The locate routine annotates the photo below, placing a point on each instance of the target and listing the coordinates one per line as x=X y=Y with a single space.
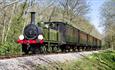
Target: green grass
x=98 y=61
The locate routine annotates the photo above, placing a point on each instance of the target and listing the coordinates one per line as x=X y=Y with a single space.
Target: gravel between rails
x=29 y=62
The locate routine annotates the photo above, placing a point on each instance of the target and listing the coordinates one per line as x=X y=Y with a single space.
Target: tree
x=108 y=20
x=12 y=22
x=73 y=8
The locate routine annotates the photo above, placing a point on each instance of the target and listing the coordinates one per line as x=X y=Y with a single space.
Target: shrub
x=10 y=48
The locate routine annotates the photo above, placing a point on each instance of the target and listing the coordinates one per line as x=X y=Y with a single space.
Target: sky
x=94 y=14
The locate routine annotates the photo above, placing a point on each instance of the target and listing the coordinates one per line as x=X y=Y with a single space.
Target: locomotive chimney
x=32 y=17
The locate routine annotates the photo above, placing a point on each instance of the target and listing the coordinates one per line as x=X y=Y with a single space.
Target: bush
x=9 y=48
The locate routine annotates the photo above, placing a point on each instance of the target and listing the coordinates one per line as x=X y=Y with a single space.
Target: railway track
x=30 y=54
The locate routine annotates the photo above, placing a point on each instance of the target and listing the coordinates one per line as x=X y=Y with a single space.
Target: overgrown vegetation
x=12 y=25
x=98 y=61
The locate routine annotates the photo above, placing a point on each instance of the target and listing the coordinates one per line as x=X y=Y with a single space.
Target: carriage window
x=53 y=26
x=46 y=25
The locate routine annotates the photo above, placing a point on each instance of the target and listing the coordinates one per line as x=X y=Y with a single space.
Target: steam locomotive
x=32 y=36
x=55 y=37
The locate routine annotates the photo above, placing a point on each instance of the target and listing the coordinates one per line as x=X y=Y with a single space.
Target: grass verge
x=97 y=61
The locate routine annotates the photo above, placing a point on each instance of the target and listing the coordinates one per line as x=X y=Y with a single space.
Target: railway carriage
x=90 y=42
x=69 y=37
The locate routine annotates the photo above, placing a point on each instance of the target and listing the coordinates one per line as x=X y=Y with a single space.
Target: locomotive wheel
x=67 y=48
x=78 y=48
x=83 y=48
x=43 y=49
x=87 y=48
x=33 y=49
x=49 y=49
x=63 y=48
x=57 y=48
x=74 y=49
x=46 y=46
x=25 y=49
x=54 y=49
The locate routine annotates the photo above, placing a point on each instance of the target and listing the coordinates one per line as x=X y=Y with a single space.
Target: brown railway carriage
x=75 y=35
x=94 y=43
x=71 y=34
x=82 y=38
x=98 y=43
x=90 y=40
